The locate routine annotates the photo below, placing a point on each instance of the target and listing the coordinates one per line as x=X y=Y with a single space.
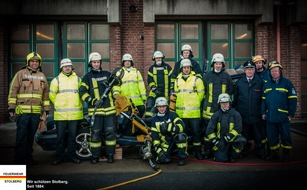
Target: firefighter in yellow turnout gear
x=68 y=110
x=189 y=90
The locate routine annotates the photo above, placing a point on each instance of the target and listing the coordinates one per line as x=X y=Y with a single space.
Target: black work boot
x=94 y=160
x=208 y=154
x=198 y=155
x=110 y=158
x=285 y=155
x=181 y=162
x=274 y=154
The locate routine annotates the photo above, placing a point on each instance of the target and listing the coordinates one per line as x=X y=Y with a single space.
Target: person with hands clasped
x=28 y=97
x=91 y=90
x=167 y=132
x=224 y=130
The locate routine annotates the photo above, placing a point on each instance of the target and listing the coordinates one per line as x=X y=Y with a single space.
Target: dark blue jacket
x=279 y=100
x=264 y=75
x=247 y=99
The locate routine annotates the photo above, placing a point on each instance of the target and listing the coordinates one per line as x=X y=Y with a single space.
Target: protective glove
x=160 y=152
x=94 y=102
x=220 y=145
x=228 y=137
x=172 y=128
x=156 y=91
x=98 y=103
x=163 y=127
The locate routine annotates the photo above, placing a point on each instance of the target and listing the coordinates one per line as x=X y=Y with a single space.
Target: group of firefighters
x=185 y=106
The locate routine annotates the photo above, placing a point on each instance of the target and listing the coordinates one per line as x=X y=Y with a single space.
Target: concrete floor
x=131 y=163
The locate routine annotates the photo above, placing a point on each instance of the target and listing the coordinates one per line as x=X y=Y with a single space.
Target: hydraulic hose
x=131 y=181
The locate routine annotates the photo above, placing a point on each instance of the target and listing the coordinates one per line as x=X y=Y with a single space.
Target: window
x=170 y=37
x=53 y=41
x=234 y=40
x=41 y=38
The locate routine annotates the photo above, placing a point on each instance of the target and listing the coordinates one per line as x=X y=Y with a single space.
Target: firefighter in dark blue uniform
x=91 y=89
x=263 y=73
x=279 y=101
x=247 y=101
x=224 y=130
x=159 y=81
x=216 y=81
x=168 y=133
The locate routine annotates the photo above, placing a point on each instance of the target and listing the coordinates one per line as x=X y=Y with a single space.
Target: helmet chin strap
x=225 y=109
x=217 y=71
x=160 y=114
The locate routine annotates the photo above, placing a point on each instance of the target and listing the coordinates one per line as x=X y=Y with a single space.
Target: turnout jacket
x=160 y=77
x=29 y=92
x=190 y=93
x=174 y=126
x=133 y=86
x=247 y=99
x=215 y=84
x=279 y=100
x=195 y=67
x=222 y=123
x=92 y=87
x=264 y=75
x=64 y=94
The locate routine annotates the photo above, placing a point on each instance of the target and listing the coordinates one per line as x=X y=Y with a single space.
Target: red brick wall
x=115 y=47
x=294 y=60
x=132 y=29
x=138 y=39
x=266 y=45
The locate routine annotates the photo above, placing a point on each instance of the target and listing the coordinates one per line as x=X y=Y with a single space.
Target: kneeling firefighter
x=167 y=131
x=224 y=130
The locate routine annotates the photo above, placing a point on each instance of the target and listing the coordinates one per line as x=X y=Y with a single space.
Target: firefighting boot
x=208 y=150
x=198 y=155
x=181 y=162
x=274 y=154
x=285 y=155
x=110 y=158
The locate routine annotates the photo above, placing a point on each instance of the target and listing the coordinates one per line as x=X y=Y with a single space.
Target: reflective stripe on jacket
x=190 y=93
x=215 y=84
x=29 y=92
x=160 y=77
x=93 y=86
x=65 y=97
x=133 y=86
x=279 y=100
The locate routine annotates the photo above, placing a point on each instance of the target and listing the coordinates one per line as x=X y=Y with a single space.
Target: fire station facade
x=275 y=29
